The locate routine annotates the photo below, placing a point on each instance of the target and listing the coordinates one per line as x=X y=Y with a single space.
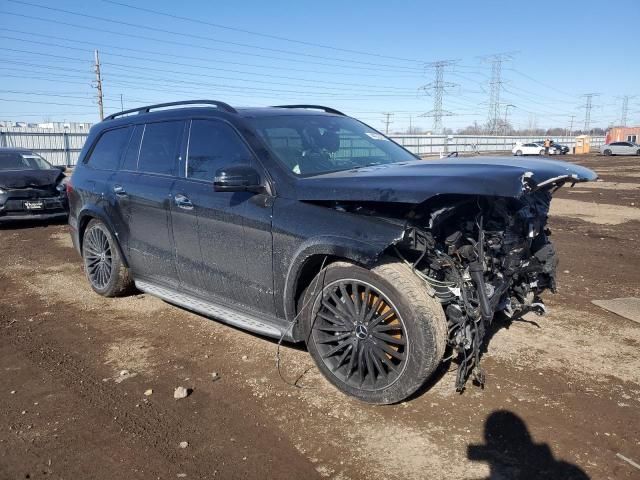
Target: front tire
x=103 y=265
x=518 y=153
x=374 y=334
x=607 y=152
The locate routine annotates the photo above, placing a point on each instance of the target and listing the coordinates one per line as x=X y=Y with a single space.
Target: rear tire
x=103 y=265
x=395 y=355
x=638 y=152
x=518 y=153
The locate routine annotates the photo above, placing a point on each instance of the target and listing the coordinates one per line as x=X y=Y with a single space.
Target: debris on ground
x=183 y=444
x=215 y=376
x=181 y=392
x=148 y=392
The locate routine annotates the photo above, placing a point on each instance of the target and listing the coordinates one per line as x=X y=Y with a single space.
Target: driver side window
x=214 y=145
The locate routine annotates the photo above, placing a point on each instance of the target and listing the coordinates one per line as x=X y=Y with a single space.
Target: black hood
x=29 y=178
x=416 y=182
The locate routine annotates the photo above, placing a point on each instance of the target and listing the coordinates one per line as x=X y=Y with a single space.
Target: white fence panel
x=62 y=147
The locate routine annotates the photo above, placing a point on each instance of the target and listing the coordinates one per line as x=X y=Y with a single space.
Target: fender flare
x=357 y=251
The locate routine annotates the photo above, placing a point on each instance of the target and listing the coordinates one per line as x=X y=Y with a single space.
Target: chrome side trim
x=218 y=312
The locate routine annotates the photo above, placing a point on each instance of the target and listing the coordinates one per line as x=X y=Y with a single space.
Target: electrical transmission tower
x=99 y=95
x=387 y=120
x=438 y=87
x=588 y=105
x=625 y=109
x=496 y=60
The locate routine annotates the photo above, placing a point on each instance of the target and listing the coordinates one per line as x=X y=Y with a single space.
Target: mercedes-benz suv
x=303 y=224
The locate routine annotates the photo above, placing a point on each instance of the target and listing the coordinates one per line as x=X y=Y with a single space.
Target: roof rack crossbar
x=221 y=105
x=315 y=107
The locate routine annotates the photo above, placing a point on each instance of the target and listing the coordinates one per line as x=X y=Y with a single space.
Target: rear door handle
x=183 y=202
x=119 y=190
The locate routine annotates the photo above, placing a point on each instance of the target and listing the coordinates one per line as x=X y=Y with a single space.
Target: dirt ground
x=562 y=396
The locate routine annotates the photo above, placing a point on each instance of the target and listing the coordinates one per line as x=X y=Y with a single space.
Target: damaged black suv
x=302 y=224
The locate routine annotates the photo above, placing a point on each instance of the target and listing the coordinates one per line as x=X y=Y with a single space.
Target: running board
x=225 y=314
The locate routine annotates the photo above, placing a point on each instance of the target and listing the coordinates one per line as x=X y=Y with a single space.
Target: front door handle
x=119 y=190
x=183 y=202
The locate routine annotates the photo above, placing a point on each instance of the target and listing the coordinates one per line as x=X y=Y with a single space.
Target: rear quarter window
x=107 y=152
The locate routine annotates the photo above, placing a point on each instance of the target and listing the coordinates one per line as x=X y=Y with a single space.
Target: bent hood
x=416 y=182
x=29 y=178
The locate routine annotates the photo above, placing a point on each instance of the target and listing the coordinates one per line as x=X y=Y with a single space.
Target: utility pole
x=99 y=86
x=506 y=116
x=121 y=102
x=496 y=60
x=410 y=125
x=588 y=105
x=438 y=87
x=387 y=121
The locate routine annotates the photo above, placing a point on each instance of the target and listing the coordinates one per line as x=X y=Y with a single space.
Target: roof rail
x=221 y=105
x=315 y=107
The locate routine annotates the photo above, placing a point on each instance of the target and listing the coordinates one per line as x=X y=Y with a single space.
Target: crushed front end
x=481 y=256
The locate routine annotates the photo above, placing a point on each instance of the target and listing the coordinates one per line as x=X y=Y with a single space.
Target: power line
x=438 y=87
x=180 y=64
x=165 y=54
x=250 y=32
x=201 y=37
x=94 y=29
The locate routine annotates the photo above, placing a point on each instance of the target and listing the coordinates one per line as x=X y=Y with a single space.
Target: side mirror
x=237 y=178
x=62 y=168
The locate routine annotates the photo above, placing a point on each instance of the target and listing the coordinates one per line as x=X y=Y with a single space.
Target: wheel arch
x=93 y=213
x=315 y=254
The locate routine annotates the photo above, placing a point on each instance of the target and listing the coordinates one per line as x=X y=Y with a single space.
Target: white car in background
x=553 y=149
x=527 y=149
x=620 y=148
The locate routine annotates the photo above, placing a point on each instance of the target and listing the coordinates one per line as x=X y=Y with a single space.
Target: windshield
x=22 y=161
x=314 y=144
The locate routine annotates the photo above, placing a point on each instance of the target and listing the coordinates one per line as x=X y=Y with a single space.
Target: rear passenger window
x=214 y=145
x=160 y=146
x=130 y=161
x=109 y=149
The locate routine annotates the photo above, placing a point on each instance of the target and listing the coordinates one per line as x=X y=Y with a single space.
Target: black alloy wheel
x=103 y=264
x=98 y=258
x=360 y=335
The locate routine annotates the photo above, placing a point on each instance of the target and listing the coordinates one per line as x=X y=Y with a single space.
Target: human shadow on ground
x=511 y=453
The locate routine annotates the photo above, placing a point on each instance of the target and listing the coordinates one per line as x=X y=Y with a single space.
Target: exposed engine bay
x=481 y=256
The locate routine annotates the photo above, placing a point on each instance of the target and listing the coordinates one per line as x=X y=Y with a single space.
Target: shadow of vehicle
x=24 y=224
x=511 y=452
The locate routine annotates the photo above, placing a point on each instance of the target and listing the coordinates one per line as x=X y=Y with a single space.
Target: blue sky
x=364 y=58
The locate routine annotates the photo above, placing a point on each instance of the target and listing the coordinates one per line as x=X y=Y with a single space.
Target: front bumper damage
x=484 y=257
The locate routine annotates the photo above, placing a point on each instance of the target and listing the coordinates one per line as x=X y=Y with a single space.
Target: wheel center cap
x=361 y=331
x=103 y=256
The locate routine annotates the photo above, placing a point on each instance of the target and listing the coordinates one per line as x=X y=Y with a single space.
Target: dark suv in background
x=300 y=223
